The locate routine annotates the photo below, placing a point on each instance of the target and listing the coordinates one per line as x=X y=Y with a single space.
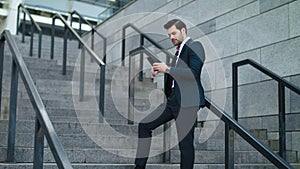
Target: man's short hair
x=177 y=22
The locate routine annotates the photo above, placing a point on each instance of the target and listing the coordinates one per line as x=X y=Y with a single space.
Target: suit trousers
x=185 y=121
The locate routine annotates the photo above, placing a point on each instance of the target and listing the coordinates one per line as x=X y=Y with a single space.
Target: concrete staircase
x=112 y=144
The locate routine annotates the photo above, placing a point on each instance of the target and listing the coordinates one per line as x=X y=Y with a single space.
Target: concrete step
x=79 y=130
x=50 y=74
x=66 y=101
x=59 y=112
x=122 y=156
x=131 y=166
x=111 y=114
x=218 y=157
x=66 y=91
x=90 y=156
x=69 y=128
x=71 y=49
x=45 y=38
x=39 y=62
x=86 y=105
x=65 y=87
x=78 y=142
x=46 y=43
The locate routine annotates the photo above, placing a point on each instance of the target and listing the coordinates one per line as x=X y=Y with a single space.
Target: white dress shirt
x=179 y=51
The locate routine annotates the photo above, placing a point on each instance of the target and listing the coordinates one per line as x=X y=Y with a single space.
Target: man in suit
x=185 y=96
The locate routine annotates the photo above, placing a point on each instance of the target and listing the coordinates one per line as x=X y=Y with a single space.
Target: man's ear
x=183 y=30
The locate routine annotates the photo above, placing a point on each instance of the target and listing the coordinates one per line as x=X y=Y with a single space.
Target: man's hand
x=158 y=68
x=153 y=72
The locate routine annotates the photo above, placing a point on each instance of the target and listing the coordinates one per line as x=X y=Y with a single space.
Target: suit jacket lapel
x=183 y=54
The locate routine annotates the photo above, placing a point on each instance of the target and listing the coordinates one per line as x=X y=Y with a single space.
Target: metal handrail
x=142 y=49
x=282 y=83
x=231 y=125
x=33 y=26
x=267 y=72
x=246 y=135
x=43 y=125
x=69 y=28
x=142 y=38
x=80 y=21
x=93 y=31
x=82 y=63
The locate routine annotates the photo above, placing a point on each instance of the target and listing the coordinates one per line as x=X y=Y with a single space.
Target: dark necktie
x=170 y=80
x=174 y=59
x=177 y=52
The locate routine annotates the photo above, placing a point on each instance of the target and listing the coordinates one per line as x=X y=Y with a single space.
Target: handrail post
x=92 y=43
x=71 y=20
x=167 y=143
x=167 y=133
x=229 y=147
x=141 y=58
x=131 y=90
x=38 y=145
x=64 y=71
x=123 y=46
x=18 y=17
x=101 y=94
x=52 y=38
x=102 y=83
x=282 y=126
x=235 y=91
x=79 y=32
x=12 y=113
x=33 y=25
x=40 y=44
x=229 y=133
x=24 y=27
x=93 y=39
x=104 y=49
x=31 y=39
x=82 y=68
x=1 y=69
x=80 y=26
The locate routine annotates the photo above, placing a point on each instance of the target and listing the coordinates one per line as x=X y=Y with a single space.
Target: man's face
x=177 y=36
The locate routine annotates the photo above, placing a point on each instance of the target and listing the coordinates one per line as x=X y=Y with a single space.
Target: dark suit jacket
x=186 y=73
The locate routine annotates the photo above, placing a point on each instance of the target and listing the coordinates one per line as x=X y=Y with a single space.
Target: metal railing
x=231 y=126
x=33 y=26
x=43 y=125
x=282 y=83
x=82 y=63
x=93 y=31
x=143 y=37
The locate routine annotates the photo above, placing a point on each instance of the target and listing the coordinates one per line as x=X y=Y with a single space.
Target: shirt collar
x=182 y=44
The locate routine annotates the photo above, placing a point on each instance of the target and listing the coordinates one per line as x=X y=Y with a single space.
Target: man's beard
x=176 y=42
